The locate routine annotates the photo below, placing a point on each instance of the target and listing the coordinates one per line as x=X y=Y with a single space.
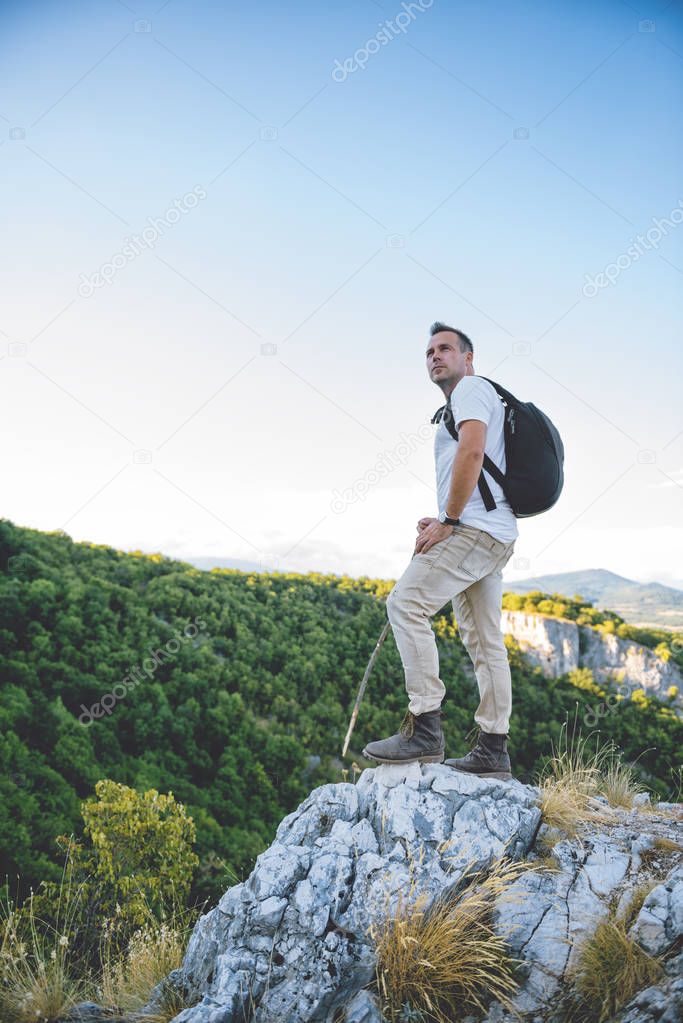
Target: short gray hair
x=465 y=343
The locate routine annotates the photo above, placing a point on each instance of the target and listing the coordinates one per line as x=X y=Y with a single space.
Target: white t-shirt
x=475 y=398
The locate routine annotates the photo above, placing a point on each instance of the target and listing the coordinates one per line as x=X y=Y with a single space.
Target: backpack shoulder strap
x=490 y=466
x=503 y=393
x=485 y=490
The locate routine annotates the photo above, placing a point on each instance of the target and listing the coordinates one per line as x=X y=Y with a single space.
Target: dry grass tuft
x=439 y=961
x=36 y=976
x=618 y=782
x=658 y=856
x=548 y=864
x=575 y=776
x=611 y=967
x=153 y=951
x=42 y=978
x=667 y=845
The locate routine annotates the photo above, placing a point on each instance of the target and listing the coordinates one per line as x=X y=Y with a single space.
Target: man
x=458 y=556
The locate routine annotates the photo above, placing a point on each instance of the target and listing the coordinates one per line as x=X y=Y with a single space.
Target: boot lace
x=478 y=747
x=408 y=724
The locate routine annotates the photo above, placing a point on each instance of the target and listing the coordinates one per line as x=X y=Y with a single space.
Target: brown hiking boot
x=488 y=758
x=419 y=738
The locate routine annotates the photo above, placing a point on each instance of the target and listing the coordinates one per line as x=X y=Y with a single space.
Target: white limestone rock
x=293 y=939
x=291 y=944
x=660 y=921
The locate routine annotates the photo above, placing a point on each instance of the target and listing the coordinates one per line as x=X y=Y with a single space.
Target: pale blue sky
x=483 y=167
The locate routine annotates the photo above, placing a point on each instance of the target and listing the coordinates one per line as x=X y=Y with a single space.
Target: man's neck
x=447 y=393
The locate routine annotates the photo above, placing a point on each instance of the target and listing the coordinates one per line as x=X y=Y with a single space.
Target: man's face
x=446 y=364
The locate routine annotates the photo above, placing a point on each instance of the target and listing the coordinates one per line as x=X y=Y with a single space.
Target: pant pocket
x=476 y=561
x=435 y=552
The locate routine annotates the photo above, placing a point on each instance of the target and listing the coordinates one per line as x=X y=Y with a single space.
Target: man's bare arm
x=466 y=465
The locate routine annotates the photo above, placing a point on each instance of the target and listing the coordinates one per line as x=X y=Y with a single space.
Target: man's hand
x=423 y=523
x=433 y=533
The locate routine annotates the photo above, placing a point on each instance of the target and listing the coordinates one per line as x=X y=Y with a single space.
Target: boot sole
x=426 y=758
x=503 y=775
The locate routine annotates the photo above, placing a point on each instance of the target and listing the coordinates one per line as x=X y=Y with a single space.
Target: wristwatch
x=448 y=521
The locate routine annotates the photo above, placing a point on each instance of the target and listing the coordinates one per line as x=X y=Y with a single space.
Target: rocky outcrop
x=557 y=645
x=291 y=943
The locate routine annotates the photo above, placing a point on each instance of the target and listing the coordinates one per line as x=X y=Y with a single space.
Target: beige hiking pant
x=465 y=568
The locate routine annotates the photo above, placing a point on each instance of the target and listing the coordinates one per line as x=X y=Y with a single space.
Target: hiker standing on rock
x=458 y=556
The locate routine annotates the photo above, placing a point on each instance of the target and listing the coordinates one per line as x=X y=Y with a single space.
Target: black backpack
x=534 y=456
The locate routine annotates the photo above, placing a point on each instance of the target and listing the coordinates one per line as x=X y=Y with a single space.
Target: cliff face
x=557 y=645
x=550 y=643
x=639 y=663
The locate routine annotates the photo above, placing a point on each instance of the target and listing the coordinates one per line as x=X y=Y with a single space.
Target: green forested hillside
x=253 y=675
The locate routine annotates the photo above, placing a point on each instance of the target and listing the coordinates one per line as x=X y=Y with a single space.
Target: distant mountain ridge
x=638 y=603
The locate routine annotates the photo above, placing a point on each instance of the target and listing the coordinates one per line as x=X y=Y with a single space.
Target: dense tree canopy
x=224 y=688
